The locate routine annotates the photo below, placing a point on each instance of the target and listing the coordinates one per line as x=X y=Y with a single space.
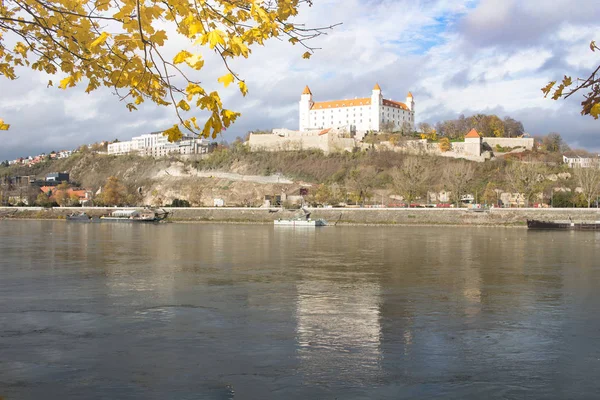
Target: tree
x=406 y=128
x=457 y=177
x=360 y=181
x=588 y=180
x=43 y=201
x=424 y=127
x=61 y=195
x=591 y=103
x=525 y=178
x=554 y=143
x=121 y=45
x=114 y=193
x=387 y=127
x=491 y=194
x=411 y=179
x=513 y=128
x=322 y=194
x=445 y=144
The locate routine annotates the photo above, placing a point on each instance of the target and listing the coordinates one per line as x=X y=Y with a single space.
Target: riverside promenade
x=341 y=216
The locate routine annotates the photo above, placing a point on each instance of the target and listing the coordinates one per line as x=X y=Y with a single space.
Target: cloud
x=456 y=56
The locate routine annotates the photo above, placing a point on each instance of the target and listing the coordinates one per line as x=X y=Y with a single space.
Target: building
x=360 y=114
x=582 y=162
x=57 y=177
x=157 y=145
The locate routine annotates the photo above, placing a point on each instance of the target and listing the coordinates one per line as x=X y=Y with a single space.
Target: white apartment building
x=360 y=114
x=157 y=145
x=582 y=162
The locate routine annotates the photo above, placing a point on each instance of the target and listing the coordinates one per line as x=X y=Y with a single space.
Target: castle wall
x=527 y=143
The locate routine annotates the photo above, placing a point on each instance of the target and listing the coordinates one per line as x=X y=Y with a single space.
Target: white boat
x=300 y=222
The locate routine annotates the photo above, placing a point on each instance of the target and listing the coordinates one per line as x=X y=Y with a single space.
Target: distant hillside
x=366 y=174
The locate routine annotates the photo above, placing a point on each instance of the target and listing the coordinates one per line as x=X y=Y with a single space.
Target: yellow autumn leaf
x=99 y=40
x=65 y=82
x=243 y=87
x=195 y=61
x=226 y=79
x=3 y=126
x=306 y=55
x=595 y=111
x=183 y=105
x=181 y=57
x=215 y=37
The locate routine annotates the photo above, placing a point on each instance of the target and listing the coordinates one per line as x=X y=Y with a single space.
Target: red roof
x=473 y=134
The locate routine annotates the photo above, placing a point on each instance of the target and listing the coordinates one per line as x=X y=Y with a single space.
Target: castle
x=360 y=114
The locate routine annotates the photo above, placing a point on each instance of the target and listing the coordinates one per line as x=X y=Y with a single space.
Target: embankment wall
x=387 y=216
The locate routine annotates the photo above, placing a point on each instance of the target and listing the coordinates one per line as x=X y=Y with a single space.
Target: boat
x=301 y=220
x=564 y=225
x=82 y=217
x=133 y=215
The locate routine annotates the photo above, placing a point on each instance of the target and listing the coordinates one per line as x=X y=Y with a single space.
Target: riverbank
x=340 y=216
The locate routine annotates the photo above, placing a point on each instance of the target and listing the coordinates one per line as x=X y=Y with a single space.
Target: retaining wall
x=388 y=216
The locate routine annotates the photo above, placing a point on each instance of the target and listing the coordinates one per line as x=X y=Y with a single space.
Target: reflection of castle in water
x=338 y=329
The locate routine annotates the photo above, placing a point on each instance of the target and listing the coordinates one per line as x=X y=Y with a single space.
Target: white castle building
x=360 y=114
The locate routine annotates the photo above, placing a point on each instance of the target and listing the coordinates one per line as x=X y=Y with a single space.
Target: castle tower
x=473 y=142
x=306 y=103
x=410 y=102
x=376 y=107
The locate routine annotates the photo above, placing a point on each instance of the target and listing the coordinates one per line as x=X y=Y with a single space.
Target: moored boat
x=132 y=215
x=300 y=222
x=82 y=217
x=564 y=225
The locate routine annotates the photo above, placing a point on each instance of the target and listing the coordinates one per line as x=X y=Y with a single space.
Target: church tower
x=306 y=103
x=376 y=107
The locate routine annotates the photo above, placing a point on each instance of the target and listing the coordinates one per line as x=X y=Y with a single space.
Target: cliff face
x=159 y=182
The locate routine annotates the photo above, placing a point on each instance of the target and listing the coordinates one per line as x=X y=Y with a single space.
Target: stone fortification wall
x=287 y=143
x=421 y=147
x=386 y=216
x=287 y=140
x=527 y=143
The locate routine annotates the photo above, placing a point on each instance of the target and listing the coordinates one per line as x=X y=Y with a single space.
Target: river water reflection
x=200 y=311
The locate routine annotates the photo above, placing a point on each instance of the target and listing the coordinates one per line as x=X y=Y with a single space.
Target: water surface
x=199 y=311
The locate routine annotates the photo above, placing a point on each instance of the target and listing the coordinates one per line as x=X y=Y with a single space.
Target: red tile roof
x=473 y=134
x=365 y=101
x=395 y=104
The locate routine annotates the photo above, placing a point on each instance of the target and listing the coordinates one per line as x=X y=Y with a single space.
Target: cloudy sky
x=455 y=56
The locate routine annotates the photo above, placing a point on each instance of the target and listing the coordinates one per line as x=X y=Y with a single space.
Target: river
x=207 y=311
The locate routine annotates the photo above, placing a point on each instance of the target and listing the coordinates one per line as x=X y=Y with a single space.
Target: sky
x=455 y=56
